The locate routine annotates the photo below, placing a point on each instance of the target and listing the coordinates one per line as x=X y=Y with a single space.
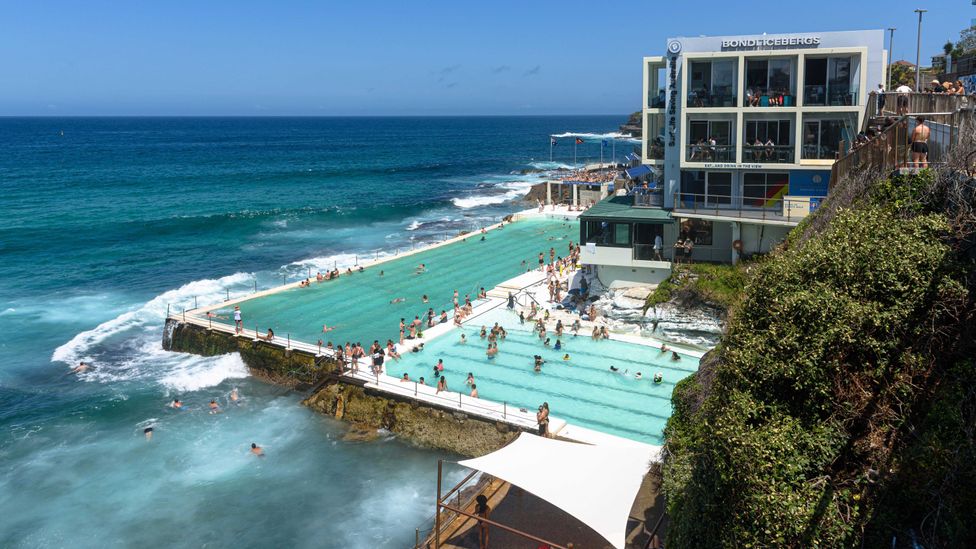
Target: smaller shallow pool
x=582 y=390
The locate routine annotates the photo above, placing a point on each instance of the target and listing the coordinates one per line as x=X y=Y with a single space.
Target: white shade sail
x=595 y=484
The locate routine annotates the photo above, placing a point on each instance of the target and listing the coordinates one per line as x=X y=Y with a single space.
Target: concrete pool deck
x=532 y=283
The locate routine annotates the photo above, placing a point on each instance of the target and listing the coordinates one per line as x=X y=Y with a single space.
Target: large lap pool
x=359 y=303
x=582 y=390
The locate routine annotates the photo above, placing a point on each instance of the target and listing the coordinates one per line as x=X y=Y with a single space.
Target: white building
x=744 y=130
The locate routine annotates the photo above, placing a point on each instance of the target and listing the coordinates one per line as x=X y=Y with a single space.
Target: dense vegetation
x=840 y=407
x=718 y=286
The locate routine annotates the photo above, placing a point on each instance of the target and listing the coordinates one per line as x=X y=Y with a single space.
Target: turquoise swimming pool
x=582 y=390
x=360 y=304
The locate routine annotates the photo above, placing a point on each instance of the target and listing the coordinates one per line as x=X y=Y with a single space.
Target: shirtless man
x=213 y=407
x=80 y=368
x=234 y=395
x=920 y=144
x=396 y=300
x=326 y=328
x=257 y=450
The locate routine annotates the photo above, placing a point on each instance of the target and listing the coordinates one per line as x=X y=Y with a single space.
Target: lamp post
x=891 y=53
x=918 y=52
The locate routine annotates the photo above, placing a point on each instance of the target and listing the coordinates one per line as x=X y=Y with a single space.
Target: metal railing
x=820 y=96
x=648 y=199
x=768 y=154
x=705 y=99
x=759 y=208
x=770 y=98
x=703 y=152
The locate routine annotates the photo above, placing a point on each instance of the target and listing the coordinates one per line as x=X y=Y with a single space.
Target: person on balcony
x=757 y=150
x=770 y=149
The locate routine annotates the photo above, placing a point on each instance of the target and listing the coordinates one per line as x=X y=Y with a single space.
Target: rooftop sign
x=769 y=43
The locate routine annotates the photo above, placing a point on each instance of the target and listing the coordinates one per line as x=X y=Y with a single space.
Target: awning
x=595 y=484
x=634 y=173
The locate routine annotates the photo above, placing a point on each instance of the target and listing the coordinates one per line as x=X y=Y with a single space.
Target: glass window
x=780 y=76
x=764 y=190
x=768 y=141
x=719 y=188
x=757 y=74
x=712 y=83
x=822 y=138
x=839 y=81
x=815 y=81
x=692 y=188
x=700 y=135
x=621 y=234
x=698 y=230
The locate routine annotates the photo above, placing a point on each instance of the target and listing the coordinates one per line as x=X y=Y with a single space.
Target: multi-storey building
x=742 y=132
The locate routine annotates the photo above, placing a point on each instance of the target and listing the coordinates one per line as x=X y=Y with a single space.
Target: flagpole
x=602 y=141
x=613 y=141
x=575 y=143
x=550 y=148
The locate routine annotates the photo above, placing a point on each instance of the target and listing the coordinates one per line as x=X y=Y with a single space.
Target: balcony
x=779 y=211
x=820 y=96
x=769 y=98
x=704 y=152
x=768 y=154
x=703 y=98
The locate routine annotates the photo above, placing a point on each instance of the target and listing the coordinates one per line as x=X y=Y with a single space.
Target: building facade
x=742 y=132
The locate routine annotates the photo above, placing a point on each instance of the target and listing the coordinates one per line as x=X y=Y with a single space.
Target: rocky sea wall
x=420 y=423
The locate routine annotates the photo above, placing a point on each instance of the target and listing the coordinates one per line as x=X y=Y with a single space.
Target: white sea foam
x=194 y=373
x=554 y=165
x=329 y=262
x=514 y=189
x=152 y=312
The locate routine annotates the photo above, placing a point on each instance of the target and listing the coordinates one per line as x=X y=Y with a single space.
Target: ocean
x=107 y=222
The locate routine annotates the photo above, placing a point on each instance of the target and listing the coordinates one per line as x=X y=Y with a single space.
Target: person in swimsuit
x=214 y=409
x=148 y=432
x=238 y=321
x=483 y=510
x=176 y=404
x=80 y=368
x=234 y=395
x=542 y=417
x=920 y=144
x=257 y=450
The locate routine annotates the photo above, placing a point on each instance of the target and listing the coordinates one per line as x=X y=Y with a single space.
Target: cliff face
x=421 y=424
x=840 y=406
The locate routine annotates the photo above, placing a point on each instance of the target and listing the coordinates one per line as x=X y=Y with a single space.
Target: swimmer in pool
x=658 y=377
x=638 y=375
x=257 y=450
x=464 y=338
x=424 y=299
x=614 y=369
x=566 y=356
x=396 y=300
x=214 y=409
x=326 y=328
x=664 y=348
x=422 y=268
x=381 y=273
x=148 y=431
x=559 y=345
x=675 y=356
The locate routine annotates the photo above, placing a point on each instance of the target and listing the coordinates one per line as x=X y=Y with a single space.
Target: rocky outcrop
x=634 y=126
x=291 y=368
x=423 y=424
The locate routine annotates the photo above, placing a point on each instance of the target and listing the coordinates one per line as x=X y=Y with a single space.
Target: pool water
x=359 y=304
x=583 y=390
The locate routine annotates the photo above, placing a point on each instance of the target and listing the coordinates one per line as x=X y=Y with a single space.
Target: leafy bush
x=838 y=342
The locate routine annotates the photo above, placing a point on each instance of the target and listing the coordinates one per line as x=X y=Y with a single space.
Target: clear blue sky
x=362 y=57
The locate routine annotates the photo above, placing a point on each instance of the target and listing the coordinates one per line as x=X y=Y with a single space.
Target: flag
x=604 y=143
x=579 y=140
x=552 y=141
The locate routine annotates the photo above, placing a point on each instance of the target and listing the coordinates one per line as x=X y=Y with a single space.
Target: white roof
x=595 y=484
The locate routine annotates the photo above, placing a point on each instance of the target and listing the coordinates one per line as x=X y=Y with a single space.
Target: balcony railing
x=771 y=154
x=705 y=99
x=788 y=210
x=821 y=96
x=703 y=152
x=648 y=200
x=769 y=98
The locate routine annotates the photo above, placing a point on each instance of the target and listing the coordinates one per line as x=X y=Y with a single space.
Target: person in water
x=176 y=403
x=406 y=377
x=420 y=381
x=675 y=356
x=396 y=300
x=234 y=395
x=80 y=368
x=213 y=407
x=559 y=345
x=566 y=356
x=474 y=391
x=658 y=377
x=470 y=380
x=464 y=338
x=148 y=432
x=257 y=450
x=638 y=375
x=326 y=328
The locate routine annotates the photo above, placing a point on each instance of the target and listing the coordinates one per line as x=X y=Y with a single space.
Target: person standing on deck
x=483 y=511
x=658 y=246
x=542 y=418
x=238 y=321
x=920 y=144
